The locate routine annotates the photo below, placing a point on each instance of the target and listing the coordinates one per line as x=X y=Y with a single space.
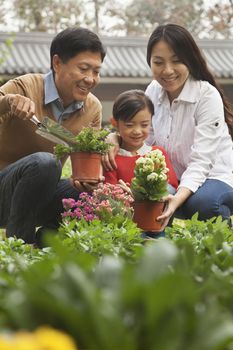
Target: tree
x=142 y=16
x=221 y=21
x=123 y=17
x=50 y=16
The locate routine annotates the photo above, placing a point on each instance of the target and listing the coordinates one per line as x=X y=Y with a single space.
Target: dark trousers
x=31 y=193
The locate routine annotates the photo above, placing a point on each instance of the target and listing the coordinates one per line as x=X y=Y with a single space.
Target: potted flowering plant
x=149 y=186
x=85 y=151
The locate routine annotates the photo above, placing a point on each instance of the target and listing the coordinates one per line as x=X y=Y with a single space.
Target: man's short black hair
x=71 y=41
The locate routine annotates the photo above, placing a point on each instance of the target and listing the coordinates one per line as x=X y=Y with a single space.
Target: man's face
x=77 y=77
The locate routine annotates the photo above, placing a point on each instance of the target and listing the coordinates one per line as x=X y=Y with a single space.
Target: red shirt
x=126 y=165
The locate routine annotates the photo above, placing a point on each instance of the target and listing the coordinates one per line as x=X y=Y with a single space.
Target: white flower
x=152 y=177
x=163 y=176
x=140 y=160
x=148 y=165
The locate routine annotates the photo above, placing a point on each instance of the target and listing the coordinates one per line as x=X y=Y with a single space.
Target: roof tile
x=126 y=56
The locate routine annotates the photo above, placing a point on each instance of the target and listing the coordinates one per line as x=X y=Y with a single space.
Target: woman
x=193 y=122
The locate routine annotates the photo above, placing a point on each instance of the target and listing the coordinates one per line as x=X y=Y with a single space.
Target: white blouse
x=193 y=132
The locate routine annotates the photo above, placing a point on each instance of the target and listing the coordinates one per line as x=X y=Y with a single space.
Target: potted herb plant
x=85 y=152
x=149 y=186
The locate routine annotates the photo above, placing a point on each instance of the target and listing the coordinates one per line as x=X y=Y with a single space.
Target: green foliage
x=212 y=246
x=66 y=170
x=88 y=140
x=173 y=295
x=15 y=256
x=114 y=304
x=118 y=238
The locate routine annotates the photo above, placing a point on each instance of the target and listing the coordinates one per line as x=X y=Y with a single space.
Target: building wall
x=108 y=92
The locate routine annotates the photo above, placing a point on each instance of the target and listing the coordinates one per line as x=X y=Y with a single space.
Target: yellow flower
x=51 y=339
x=43 y=338
x=19 y=341
x=4 y=344
x=25 y=341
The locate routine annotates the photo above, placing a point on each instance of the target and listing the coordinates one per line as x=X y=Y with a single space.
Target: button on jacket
x=193 y=131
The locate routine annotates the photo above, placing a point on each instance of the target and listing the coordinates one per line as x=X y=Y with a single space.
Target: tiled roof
x=126 y=56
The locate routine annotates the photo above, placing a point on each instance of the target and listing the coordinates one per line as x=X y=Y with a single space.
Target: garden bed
x=99 y=285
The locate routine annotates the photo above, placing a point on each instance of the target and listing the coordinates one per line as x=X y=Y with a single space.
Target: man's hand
x=108 y=159
x=20 y=106
x=85 y=186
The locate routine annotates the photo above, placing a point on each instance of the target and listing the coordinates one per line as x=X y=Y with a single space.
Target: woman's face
x=168 y=70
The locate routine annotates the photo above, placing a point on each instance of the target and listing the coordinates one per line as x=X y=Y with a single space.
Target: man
x=31 y=188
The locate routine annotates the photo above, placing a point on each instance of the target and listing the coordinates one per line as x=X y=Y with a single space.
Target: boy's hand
x=125 y=187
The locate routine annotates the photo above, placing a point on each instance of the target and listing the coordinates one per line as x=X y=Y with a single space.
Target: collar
x=189 y=93
x=141 y=151
x=51 y=94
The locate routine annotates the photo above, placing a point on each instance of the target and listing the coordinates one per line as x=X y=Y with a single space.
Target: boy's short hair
x=129 y=103
x=71 y=41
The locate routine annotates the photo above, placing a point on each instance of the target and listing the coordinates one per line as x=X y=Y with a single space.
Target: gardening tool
x=53 y=131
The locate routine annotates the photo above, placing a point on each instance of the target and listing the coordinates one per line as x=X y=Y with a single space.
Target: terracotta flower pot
x=146 y=213
x=85 y=166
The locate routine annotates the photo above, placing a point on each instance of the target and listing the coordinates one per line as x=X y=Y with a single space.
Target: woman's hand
x=173 y=202
x=170 y=207
x=108 y=159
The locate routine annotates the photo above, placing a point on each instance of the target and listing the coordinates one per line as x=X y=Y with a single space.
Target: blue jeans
x=213 y=198
x=31 y=193
x=149 y=234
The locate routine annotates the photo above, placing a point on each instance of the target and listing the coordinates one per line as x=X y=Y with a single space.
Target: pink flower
x=68 y=203
x=106 y=201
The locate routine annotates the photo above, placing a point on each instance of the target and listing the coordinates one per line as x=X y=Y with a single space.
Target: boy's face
x=77 y=77
x=134 y=131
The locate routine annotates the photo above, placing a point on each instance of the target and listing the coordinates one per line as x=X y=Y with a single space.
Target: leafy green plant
x=88 y=140
x=118 y=238
x=16 y=256
x=212 y=242
x=101 y=286
x=116 y=304
x=150 y=177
